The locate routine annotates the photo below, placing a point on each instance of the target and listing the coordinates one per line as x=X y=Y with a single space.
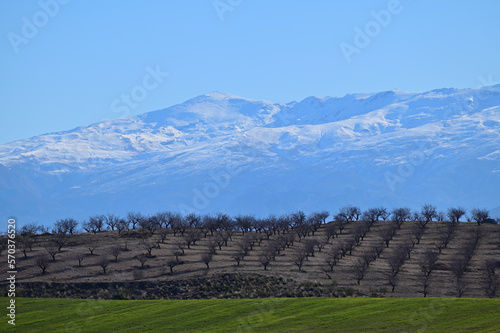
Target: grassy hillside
x=262 y=315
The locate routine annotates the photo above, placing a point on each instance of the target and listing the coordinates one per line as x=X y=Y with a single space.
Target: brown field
x=315 y=269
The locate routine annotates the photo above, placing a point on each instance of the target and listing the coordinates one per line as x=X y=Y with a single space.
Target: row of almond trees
x=212 y=222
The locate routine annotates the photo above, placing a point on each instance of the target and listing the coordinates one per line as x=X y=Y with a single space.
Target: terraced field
x=371 y=261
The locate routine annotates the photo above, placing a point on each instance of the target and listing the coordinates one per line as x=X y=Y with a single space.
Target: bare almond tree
x=111 y=221
x=181 y=247
x=43 y=263
x=238 y=256
x=298 y=258
x=491 y=278
x=445 y=235
x=369 y=256
x=65 y=226
x=115 y=252
x=245 y=244
x=135 y=219
x=92 y=246
x=407 y=248
x=359 y=270
x=219 y=239
x=25 y=244
x=347 y=246
x=360 y=231
x=212 y=247
x=95 y=224
x=171 y=263
x=349 y=213
x=322 y=241
x=378 y=248
x=425 y=281
x=333 y=256
x=104 y=263
x=400 y=215
x=458 y=268
x=80 y=257
x=148 y=246
x=429 y=213
x=331 y=230
x=417 y=231
x=388 y=233
x=192 y=236
x=427 y=266
x=163 y=234
x=454 y=214
x=122 y=225
x=428 y=263
x=265 y=258
x=245 y=223
x=309 y=246
x=60 y=240
x=396 y=261
x=177 y=253
x=392 y=279
x=207 y=257
x=53 y=250
x=142 y=259
x=480 y=215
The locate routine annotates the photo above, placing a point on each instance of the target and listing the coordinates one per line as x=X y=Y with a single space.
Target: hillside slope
x=77 y=267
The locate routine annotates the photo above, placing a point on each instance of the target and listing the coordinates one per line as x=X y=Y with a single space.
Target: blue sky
x=70 y=63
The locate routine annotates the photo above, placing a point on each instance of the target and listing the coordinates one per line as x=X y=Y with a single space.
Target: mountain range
x=223 y=153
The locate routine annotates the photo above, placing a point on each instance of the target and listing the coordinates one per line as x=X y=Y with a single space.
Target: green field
x=256 y=315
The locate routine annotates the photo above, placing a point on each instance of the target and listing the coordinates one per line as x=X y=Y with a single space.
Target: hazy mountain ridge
x=222 y=152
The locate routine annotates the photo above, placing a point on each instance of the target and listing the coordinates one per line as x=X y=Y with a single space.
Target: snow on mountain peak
x=218 y=95
x=242 y=155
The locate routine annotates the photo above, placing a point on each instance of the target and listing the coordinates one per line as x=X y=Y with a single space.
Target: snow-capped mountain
x=220 y=152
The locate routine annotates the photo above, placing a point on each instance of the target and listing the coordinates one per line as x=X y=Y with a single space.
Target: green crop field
x=256 y=315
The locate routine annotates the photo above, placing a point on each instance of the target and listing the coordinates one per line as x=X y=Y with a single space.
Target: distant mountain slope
x=219 y=152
